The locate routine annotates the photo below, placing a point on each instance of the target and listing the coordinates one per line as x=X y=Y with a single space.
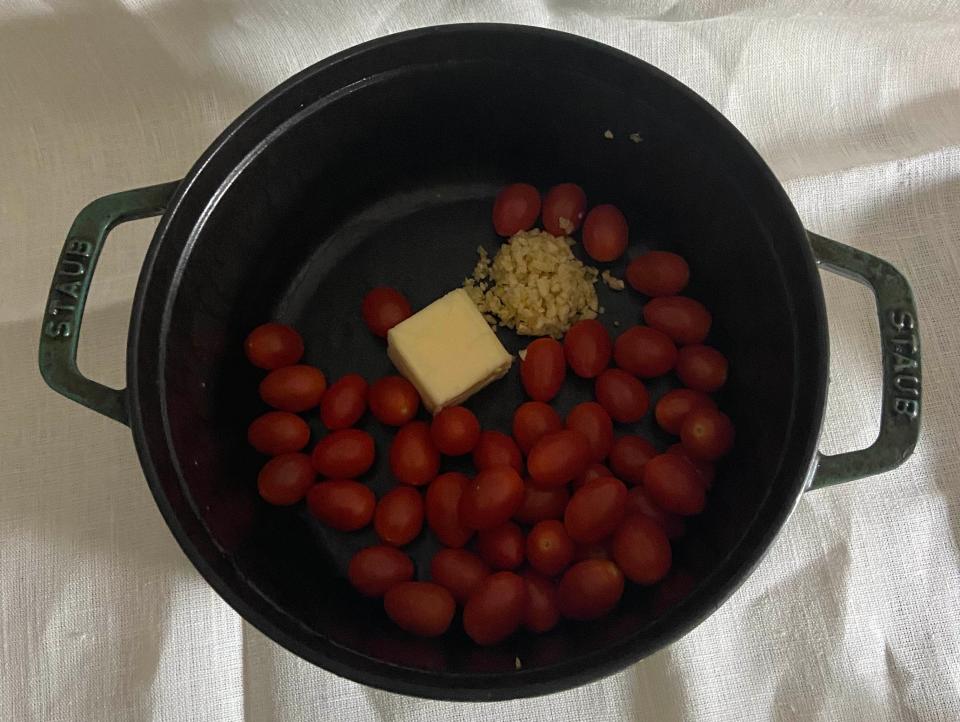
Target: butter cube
x=447 y=351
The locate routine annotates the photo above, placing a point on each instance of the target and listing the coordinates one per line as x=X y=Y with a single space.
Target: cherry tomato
x=641 y=550
x=293 y=388
x=542 y=610
x=284 y=479
x=595 y=510
x=455 y=431
x=494 y=611
x=344 y=403
x=342 y=504
x=394 y=400
x=491 y=498
x=707 y=434
x=344 y=454
x=398 y=517
x=502 y=547
x=563 y=209
x=515 y=209
x=673 y=407
x=592 y=420
x=533 y=420
x=497 y=449
x=605 y=233
x=375 y=570
x=383 y=308
x=658 y=273
x=278 y=432
x=539 y=504
x=645 y=352
x=273 y=345
x=622 y=395
x=414 y=459
x=542 y=369
x=594 y=471
x=549 y=547
x=588 y=348
x=443 y=509
x=639 y=502
x=558 y=458
x=704 y=468
x=674 y=485
x=422 y=608
x=590 y=589
x=460 y=571
x=684 y=320
x=629 y=455
x=702 y=368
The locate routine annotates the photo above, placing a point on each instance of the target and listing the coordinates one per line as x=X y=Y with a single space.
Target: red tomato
x=491 y=498
x=414 y=459
x=459 y=571
x=501 y=547
x=707 y=434
x=539 y=504
x=674 y=485
x=595 y=510
x=702 y=368
x=542 y=369
x=644 y=352
x=398 y=518
x=455 y=431
x=549 y=547
x=639 y=502
x=344 y=454
x=673 y=407
x=375 y=570
x=658 y=273
x=533 y=420
x=284 y=479
x=542 y=610
x=592 y=420
x=383 y=308
x=641 y=550
x=629 y=455
x=344 y=403
x=594 y=471
x=394 y=400
x=342 y=504
x=278 y=432
x=704 y=468
x=273 y=345
x=605 y=233
x=587 y=347
x=443 y=509
x=558 y=458
x=515 y=209
x=494 y=611
x=563 y=209
x=497 y=449
x=590 y=589
x=422 y=608
x=684 y=320
x=293 y=388
x=622 y=395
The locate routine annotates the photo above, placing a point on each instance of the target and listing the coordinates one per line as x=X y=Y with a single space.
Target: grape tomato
x=658 y=273
x=564 y=206
x=558 y=458
x=515 y=209
x=623 y=396
x=293 y=388
x=422 y=608
x=344 y=454
x=605 y=233
x=587 y=348
x=628 y=455
x=342 y=504
x=589 y=589
x=383 y=308
x=683 y=319
x=443 y=509
x=491 y=498
x=455 y=431
x=674 y=485
x=707 y=434
x=459 y=571
x=393 y=400
x=549 y=547
x=495 y=610
x=595 y=510
x=375 y=570
x=592 y=420
x=542 y=610
x=273 y=345
x=278 y=432
x=344 y=402
x=645 y=352
x=542 y=369
x=284 y=479
x=641 y=550
x=673 y=407
x=398 y=517
x=502 y=547
x=414 y=459
x=539 y=504
x=532 y=421
x=494 y=448
x=701 y=368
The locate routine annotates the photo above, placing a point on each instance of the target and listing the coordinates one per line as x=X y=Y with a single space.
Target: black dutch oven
x=378 y=166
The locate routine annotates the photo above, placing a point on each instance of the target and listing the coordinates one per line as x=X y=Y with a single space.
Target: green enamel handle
x=900 y=350
x=60 y=334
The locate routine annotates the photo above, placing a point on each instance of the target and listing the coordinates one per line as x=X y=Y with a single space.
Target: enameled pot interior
x=381 y=169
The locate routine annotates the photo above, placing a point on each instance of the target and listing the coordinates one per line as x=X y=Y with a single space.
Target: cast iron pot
x=378 y=166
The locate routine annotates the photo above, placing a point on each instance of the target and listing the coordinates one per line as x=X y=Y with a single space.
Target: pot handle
x=60 y=334
x=900 y=349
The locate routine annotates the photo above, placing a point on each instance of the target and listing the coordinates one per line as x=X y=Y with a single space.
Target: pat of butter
x=447 y=351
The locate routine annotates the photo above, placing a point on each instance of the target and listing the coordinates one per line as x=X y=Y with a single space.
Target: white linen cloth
x=853 y=614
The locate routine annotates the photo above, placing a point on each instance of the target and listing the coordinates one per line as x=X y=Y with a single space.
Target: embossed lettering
x=908 y=385
x=72 y=268
x=903 y=363
x=901 y=320
x=57 y=305
x=71 y=289
x=905 y=344
x=80 y=248
x=58 y=329
x=906 y=407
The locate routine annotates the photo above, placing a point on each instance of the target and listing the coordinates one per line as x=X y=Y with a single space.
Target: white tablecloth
x=853 y=615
